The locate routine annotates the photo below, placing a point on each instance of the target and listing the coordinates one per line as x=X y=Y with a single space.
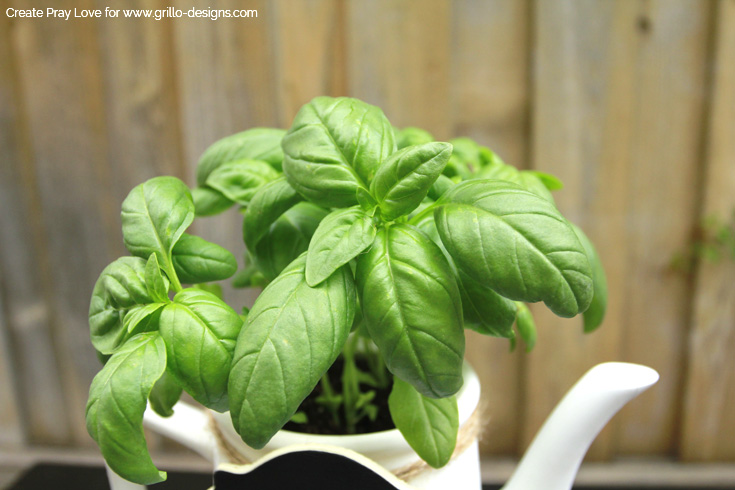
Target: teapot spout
x=553 y=458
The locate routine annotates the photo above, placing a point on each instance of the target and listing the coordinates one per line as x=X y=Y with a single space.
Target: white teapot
x=550 y=463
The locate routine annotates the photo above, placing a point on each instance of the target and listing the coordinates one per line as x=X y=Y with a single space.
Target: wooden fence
x=631 y=103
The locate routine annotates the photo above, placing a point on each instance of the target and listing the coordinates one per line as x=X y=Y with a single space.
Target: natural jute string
x=468 y=433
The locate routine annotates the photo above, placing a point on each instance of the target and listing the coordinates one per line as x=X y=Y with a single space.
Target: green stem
x=350 y=383
x=374 y=361
x=377 y=367
x=424 y=212
x=329 y=394
x=173 y=278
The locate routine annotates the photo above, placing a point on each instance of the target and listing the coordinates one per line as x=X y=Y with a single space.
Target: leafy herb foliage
x=371 y=242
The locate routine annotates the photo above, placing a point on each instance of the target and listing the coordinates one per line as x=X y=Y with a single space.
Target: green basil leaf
x=429 y=425
x=334 y=147
x=469 y=157
x=425 y=208
x=154 y=280
x=466 y=157
x=300 y=418
x=287 y=238
x=457 y=169
x=594 y=315
x=412 y=136
x=238 y=180
x=215 y=289
x=340 y=237
x=208 y=202
x=484 y=310
x=154 y=216
x=257 y=144
x=249 y=275
x=142 y=318
x=552 y=182
x=164 y=395
x=292 y=335
x=117 y=401
x=197 y=260
x=500 y=172
x=366 y=201
x=412 y=309
x=517 y=243
x=120 y=287
x=489 y=157
x=200 y=332
x=442 y=185
x=403 y=181
x=526 y=326
x=270 y=202
x=528 y=180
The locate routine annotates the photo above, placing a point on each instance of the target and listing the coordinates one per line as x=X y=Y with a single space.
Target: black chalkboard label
x=308 y=468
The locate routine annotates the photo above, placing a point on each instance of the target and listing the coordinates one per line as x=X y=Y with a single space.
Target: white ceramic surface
x=388 y=448
x=190 y=427
x=551 y=462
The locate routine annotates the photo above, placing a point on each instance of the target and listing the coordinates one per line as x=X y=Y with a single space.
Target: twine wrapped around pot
x=468 y=434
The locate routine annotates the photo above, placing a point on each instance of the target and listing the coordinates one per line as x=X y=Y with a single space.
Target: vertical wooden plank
x=572 y=68
x=225 y=75
x=11 y=431
x=309 y=49
x=618 y=117
x=709 y=421
x=226 y=84
x=490 y=103
x=490 y=86
x=24 y=273
x=141 y=110
x=662 y=208
x=60 y=74
x=140 y=99
x=399 y=58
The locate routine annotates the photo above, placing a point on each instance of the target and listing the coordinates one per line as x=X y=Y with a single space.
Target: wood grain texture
x=225 y=76
x=484 y=76
x=12 y=432
x=643 y=168
x=662 y=206
x=24 y=269
x=491 y=74
x=613 y=97
x=225 y=80
x=309 y=39
x=577 y=53
x=708 y=419
x=141 y=111
x=60 y=72
x=140 y=99
x=399 y=58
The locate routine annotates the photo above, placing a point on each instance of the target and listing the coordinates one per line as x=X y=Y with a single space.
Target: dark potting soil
x=320 y=419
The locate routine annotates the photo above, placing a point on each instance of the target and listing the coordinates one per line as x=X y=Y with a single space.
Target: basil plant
x=376 y=248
